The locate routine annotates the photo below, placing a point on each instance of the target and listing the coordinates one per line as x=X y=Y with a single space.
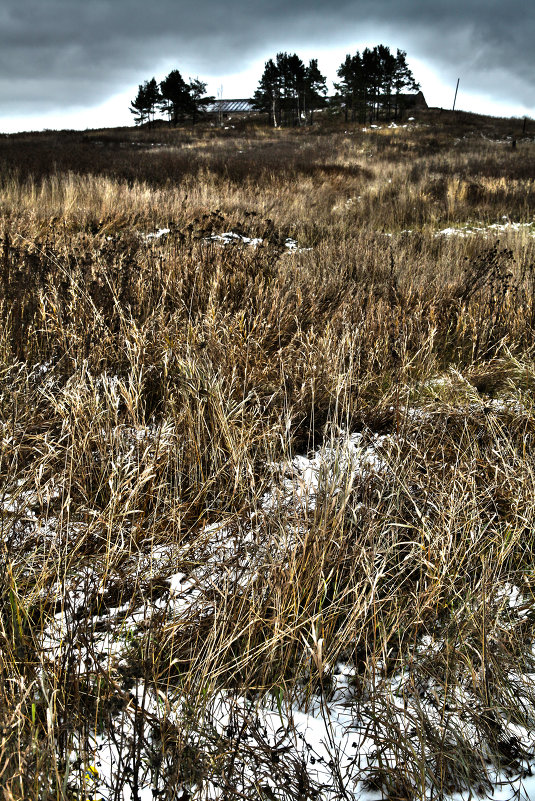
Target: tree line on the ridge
x=370 y=84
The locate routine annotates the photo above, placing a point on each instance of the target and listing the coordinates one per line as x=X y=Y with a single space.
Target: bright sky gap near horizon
x=77 y=64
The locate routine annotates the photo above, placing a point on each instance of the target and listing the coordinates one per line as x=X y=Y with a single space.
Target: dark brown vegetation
x=150 y=386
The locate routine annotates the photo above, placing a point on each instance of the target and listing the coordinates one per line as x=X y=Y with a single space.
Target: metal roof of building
x=227 y=106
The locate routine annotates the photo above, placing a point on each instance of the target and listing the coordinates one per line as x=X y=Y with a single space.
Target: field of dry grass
x=246 y=481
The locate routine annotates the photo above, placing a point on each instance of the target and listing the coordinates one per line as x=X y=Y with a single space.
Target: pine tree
x=144 y=105
x=153 y=98
x=293 y=74
x=139 y=107
x=315 y=89
x=403 y=80
x=198 y=97
x=386 y=65
x=352 y=87
x=373 y=79
x=175 y=96
x=268 y=95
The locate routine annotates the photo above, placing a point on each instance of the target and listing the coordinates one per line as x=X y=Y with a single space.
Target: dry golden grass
x=153 y=390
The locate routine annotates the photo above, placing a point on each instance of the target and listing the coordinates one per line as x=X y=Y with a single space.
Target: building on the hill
x=414 y=101
x=226 y=108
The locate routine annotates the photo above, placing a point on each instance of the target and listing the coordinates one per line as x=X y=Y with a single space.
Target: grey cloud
x=59 y=53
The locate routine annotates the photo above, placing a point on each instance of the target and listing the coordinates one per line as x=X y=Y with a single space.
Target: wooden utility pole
x=456 y=90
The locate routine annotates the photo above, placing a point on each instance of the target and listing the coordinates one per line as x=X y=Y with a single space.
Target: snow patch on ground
x=332 y=469
x=329 y=735
x=292 y=246
x=230 y=238
x=156 y=234
x=506 y=226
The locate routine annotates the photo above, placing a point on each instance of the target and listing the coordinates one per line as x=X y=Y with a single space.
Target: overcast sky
x=77 y=63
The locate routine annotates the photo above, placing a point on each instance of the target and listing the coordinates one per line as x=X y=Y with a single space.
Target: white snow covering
x=506 y=226
x=292 y=246
x=380 y=127
x=331 y=469
x=156 y=234
x=230 y=238
x=330 y=733
x=474 y=229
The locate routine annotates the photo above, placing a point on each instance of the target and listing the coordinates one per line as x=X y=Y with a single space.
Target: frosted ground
x=329 y=735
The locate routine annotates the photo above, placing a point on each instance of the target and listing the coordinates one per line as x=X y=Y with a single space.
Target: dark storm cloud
x=60 y=53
